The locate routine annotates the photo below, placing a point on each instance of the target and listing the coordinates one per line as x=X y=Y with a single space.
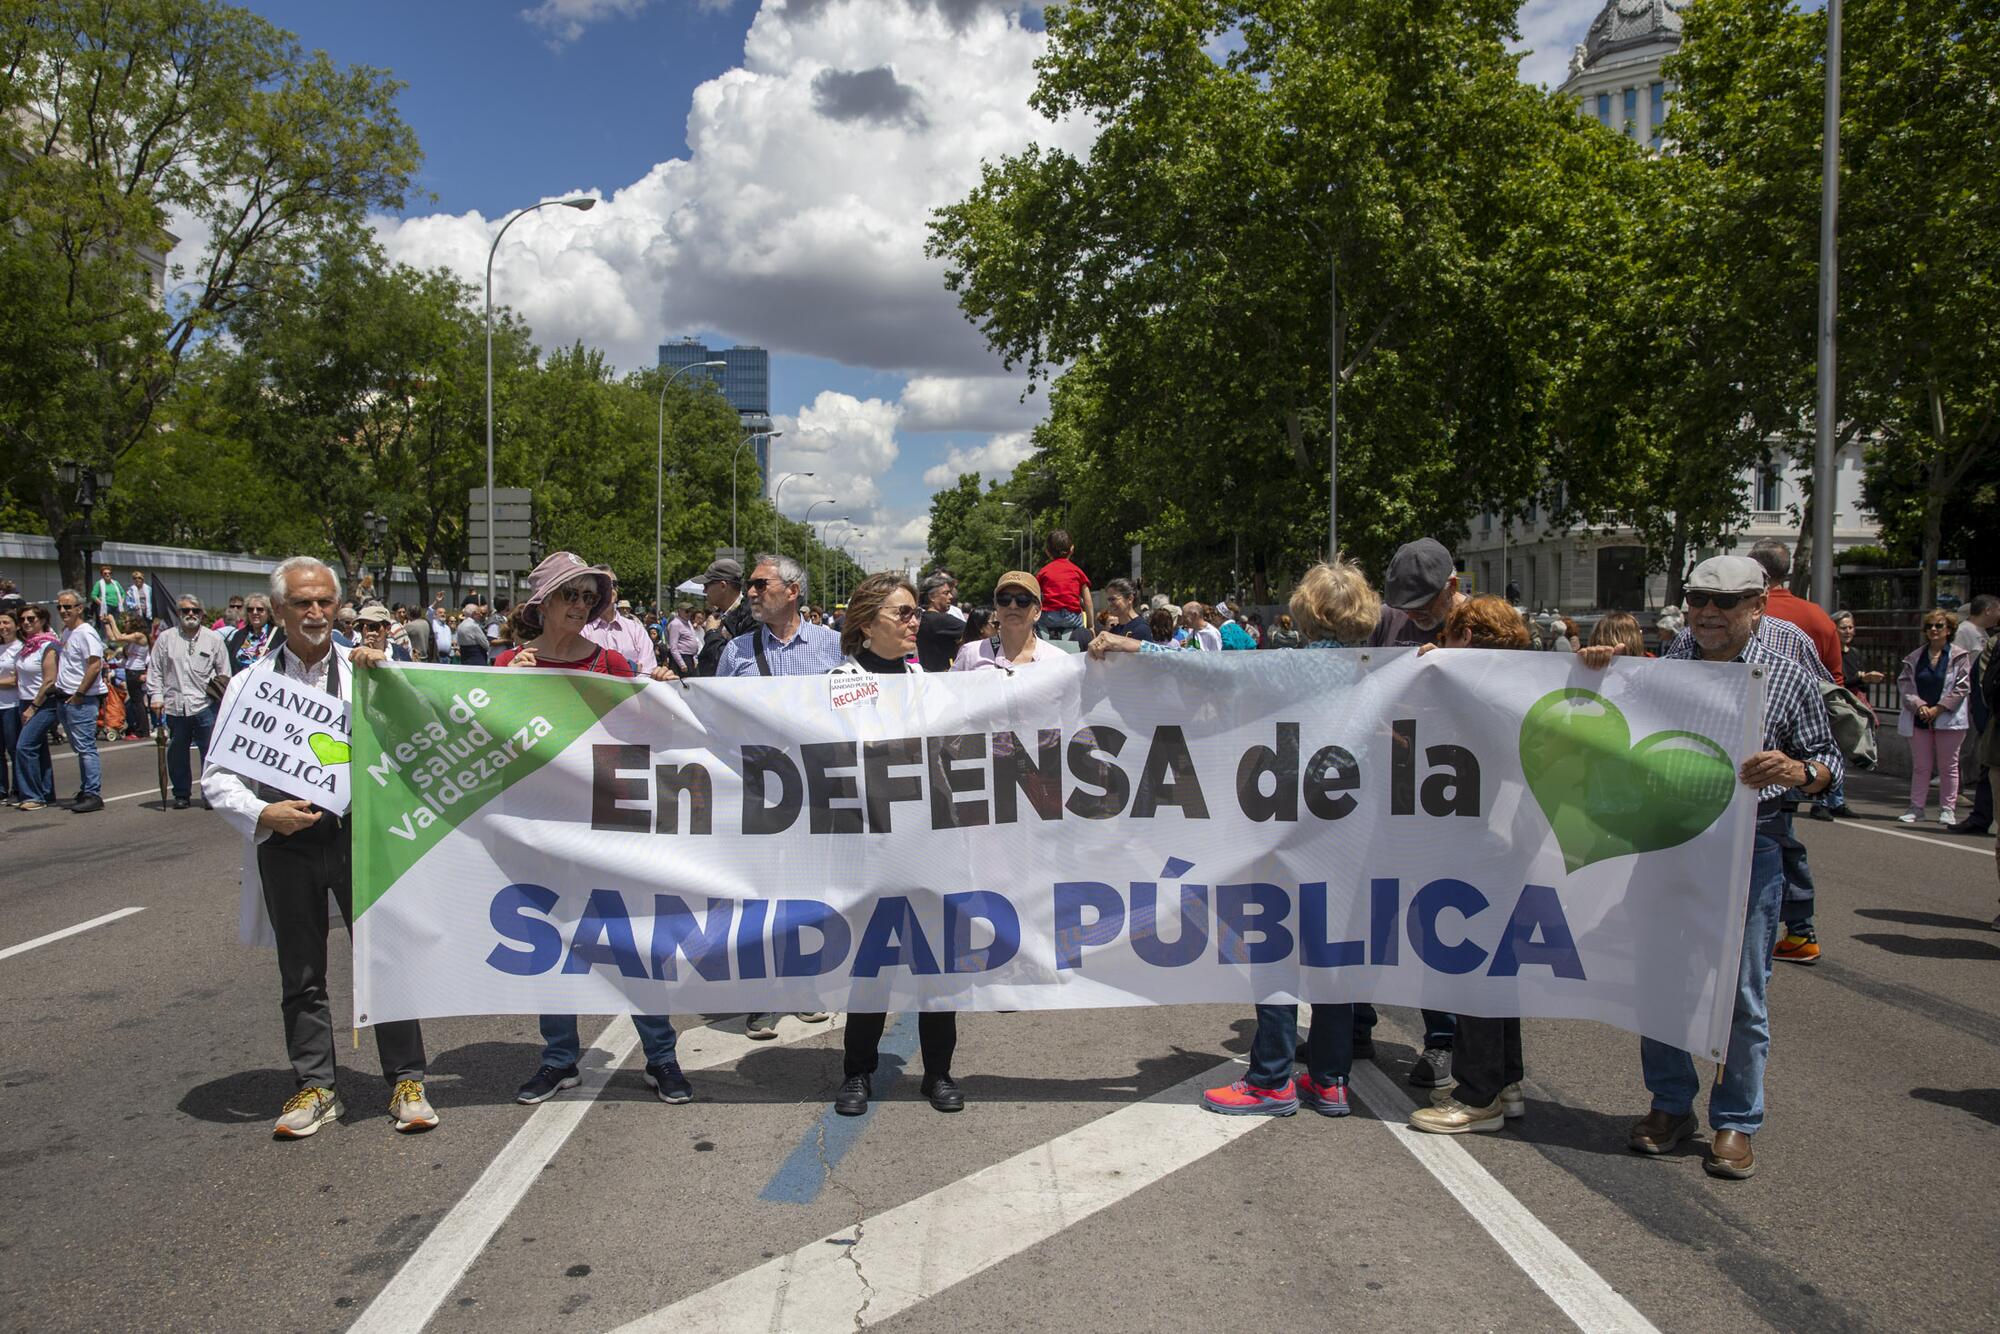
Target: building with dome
x=1615 y=75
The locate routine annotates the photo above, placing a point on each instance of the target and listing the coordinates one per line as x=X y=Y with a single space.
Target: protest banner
x=281 y=732
x=1478 y=832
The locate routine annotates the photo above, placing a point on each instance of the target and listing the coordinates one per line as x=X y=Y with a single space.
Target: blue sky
x=765 y=168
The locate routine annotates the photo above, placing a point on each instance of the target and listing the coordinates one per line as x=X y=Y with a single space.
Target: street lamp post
x=808 y=522
x=1333 y=389
x=660 y=472
x=377 y=526
x=581 y=205
x=754 y=435
x=825 y=558
x=90 y=484
x=1825 y=481
x=777 y=516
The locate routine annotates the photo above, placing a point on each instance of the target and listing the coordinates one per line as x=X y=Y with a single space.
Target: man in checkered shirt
x=1725 y=601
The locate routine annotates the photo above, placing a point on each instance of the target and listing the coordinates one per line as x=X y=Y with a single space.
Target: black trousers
x=298 y=872
x=937 y=1035
x=1485 y=1059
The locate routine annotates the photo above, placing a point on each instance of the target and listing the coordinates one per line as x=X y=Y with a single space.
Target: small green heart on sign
x=328 y=748
x=1606 y=797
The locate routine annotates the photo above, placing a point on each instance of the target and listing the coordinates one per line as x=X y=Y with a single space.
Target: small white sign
x=277 y=731
x=845 y=692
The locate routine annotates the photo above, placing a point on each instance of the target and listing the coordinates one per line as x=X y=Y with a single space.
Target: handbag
x=1853 y=724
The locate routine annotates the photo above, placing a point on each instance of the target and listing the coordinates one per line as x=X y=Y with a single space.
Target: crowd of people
x=57 y=665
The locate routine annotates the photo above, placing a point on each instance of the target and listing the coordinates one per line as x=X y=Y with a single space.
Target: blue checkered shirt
x=1795 y=718
x=1782 y=638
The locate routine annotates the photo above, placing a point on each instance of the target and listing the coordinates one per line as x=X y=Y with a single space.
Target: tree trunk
x=1677 y=554
x=1801 y=580
x=1935 y=494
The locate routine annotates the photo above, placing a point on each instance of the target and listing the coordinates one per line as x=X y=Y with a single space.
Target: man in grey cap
x=1418 y=592
x=1725 y=601
x=722 y=585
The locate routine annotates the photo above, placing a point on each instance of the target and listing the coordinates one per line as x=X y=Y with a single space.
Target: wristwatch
x=1812 y=774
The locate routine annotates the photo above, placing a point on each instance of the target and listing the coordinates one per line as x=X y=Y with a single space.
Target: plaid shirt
x=1781 y=638
x=1795 y=719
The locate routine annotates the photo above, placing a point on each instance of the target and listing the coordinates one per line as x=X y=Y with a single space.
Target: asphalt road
x=141 y=1063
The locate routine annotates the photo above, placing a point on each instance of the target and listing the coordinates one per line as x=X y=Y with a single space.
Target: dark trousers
x=937 y=1035
x=1329 y=1044
x=10 y=732
x=1438 y=1026
x=1486 y=1059
x=138 y=718
x=298 y=872
x=1982 y=795
x=181 y=734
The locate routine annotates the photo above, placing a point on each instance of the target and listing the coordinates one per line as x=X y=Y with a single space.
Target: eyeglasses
x=759 y=585
x=190 y=611
x=1935 y=625
x=69 y=606
x=1721 y=601
x=903 y=614
x=589 y=596
x=1015 y=599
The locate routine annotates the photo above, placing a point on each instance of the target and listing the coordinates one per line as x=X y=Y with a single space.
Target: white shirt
x=1970 y=638
x=985 y=655
x=79 y=646
x=10 y=658
x=1208 y=639
x=182 y=669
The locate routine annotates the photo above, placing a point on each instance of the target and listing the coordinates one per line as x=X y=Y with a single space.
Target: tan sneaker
x=306 y=1112
x=1452 y=1117
x=412 y=1110
x=1513 y=1105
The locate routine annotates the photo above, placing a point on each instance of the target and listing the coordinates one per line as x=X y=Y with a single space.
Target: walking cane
x=160 y=750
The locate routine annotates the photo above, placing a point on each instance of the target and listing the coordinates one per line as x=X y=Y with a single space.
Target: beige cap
x=1019 y=579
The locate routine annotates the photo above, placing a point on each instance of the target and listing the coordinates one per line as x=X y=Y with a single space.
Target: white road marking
x=53 y=936
x=1580 y=1291
x=1968 y=846
x=898 y=1259
x=149 y=792
x=413 y=1296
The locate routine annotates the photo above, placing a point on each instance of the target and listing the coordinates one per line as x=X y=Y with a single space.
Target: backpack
x=1853 y=724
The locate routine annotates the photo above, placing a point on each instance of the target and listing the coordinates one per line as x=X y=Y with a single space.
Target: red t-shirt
x=1785 y=605
x=1063 y=582
x=603 y=661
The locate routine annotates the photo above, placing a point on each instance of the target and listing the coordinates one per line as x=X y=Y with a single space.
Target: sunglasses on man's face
x=1015 y=599
x=190 y=611
x=759 y=585
x=1720 y=601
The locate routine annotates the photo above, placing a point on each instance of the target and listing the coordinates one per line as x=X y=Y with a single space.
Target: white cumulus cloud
x=1550 y=29
x=565 y=20
x=970 y=403
x=997 y=458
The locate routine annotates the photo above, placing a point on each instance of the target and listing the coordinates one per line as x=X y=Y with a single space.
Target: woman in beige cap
x=1017 y=605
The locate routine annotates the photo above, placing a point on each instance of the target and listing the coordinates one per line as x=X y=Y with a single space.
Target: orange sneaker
x=1246 y=1099
x=1798 y=946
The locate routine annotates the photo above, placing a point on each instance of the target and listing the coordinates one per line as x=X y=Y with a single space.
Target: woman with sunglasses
x=34 y=686
x=1936 y=682
x=878 y=638
x=567 y=595
x=1017 y=605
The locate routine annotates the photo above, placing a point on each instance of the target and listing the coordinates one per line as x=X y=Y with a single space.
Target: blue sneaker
x=546 y=1082
x=668 y=1081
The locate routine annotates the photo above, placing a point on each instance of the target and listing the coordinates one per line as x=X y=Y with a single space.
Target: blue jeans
x=1329 y=1046
x=1834 y=797
x=1798 y=909
x=561 y=1046
x=80 y=722
x=181 y=733
x=1059 y=625
x=1737 y=1100
x=10 y=732
x=34 y=768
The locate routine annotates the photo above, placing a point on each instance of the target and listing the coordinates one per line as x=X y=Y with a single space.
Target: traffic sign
x=519 y=529
x=502 y=495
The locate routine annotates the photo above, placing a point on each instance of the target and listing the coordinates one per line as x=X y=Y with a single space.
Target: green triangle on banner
x=433 y=744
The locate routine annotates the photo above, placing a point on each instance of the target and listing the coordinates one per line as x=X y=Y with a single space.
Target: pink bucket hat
x=557 y=569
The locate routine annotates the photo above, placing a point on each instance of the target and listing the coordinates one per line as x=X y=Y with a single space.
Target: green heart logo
x=329 y=748
x=1605 y=797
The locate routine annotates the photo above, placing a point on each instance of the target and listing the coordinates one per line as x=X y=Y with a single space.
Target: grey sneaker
x=412 y=1110
x=814 y=1016
x=306 y=1112
x=1432 y=1069
x=760 y=1027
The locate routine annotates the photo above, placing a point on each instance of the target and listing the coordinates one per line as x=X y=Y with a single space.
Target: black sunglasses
x=1721 y=601
x=1015 y=599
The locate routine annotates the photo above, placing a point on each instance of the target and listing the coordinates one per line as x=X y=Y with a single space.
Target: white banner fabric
x=1476 y=832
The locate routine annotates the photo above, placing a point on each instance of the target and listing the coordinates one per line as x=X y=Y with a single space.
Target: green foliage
x=1180 y=273
x=1863 y=555
x=114 y=116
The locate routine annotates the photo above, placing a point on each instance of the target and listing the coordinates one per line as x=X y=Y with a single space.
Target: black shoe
x=852 y=1100
x=1432 y=1070
x=668 y=1081
x=1823 y=813
x=547 y=1080
x=66 y=803
x=181 y=803
x=944 y=1094
x=85 y=805
x=1972 y=830
x=1844 y=812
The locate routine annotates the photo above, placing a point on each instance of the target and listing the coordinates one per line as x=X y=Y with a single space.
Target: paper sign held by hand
x=279 y=732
